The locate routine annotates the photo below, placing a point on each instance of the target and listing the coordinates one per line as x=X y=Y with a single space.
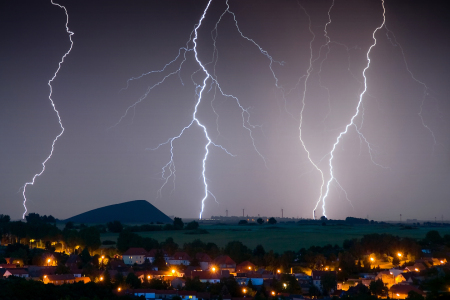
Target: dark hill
x=136 y=211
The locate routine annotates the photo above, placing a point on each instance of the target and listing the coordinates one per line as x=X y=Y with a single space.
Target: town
x=38 y=260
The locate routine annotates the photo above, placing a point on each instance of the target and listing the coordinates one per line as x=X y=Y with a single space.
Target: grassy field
x=282 y=237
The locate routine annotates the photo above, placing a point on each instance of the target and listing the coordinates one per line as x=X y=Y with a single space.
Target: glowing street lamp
x=101 y=278
x=399 y=254
x=278 y=271
x=372 y=259
x=284 y=285
x=148 y=277
x=249 y=268
x=244 y=290
x=213 y=269
x=273 y=293
x=119 y=289
x=173 y=271
x=48 y=261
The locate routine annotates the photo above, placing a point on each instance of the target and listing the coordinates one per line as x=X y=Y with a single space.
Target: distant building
x=134 y=255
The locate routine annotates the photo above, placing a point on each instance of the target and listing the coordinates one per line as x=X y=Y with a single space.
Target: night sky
x=96 y=163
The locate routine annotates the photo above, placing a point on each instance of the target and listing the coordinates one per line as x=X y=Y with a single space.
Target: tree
x=69 y=225
x=272 y=221
x=328 y=282
x=396 y=261
x=314 y=291
x=260 y=221
x=133 y=280
x=192 y=226
x=242 y=222
x=378 y=288
x=433 y=237
x=85 y=256
x=415 y=296
x=114 y=226
x=91 y=238
x=178 y=223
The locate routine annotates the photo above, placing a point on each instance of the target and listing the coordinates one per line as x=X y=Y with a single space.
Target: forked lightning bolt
x=54 y=108
x=168 y=170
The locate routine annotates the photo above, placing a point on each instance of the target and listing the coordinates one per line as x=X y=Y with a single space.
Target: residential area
x=377 y=266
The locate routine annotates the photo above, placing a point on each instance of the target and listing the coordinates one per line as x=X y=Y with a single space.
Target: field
x=282 y=237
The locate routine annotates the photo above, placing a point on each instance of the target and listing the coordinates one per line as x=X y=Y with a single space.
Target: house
x=150 y=294
x=204 y=260
x=245 y=266
x=224 y=262
x=178 y=283
x=207 y=276
x=59 y=279
x=179 y=258
x=148 y=275
x=387 y=278
x=134 y=256
x=49 y=259
x=317 y=278
x=73 y=261
x=417 y=267
x=244 y=278
x=152 y=253
x=18 y=272
x=8 y=266
x=400 y=291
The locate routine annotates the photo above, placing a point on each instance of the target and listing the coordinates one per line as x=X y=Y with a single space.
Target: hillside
x=136 y=211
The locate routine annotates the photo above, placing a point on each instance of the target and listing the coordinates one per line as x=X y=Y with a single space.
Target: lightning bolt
x=169 y=170
x=352 y=123
x=54 y=108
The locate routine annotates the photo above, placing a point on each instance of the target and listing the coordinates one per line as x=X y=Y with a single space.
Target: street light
x=244 y=290
x=273 y=293
x=278 y=271
x=399 y=254
x=173 y=271
x=48 y=261
x=119 y=289
x=213 y=269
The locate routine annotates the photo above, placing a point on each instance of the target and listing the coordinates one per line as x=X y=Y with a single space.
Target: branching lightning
x=169 y=170
x=54 y=108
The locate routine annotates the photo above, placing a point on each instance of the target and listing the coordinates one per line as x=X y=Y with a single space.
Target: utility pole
x=226 y=212
x=400 y=218
x=281 y=213
x=243 y=213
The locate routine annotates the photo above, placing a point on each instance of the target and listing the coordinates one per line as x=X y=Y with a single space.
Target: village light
x=278 y=271
x=442 y=261
x=417 y=270
x=173 y=271
x=244 y=290
x=101 y=278
x=399 y=254
x=118 y=289
x=372 y=259
x=326 y=269
x=213 y=269
x=249 y=268
x=273 y=293
x=148 y=277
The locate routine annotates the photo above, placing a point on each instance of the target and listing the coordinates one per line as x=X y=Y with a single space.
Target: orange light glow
x=399 y=254
x=278 y=271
